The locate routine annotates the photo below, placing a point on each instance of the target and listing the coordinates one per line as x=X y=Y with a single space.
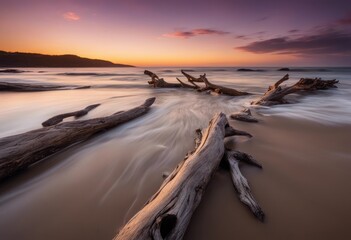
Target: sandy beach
x=303 y=186
x=92 y=189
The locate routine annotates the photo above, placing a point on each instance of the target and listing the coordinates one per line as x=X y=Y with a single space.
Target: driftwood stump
x=275 y=93
x=20 y=151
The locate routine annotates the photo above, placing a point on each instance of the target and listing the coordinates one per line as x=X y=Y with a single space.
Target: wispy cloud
x=324 y=42
x=293 y=31
x=262 y=19
x=71 y=16
x=243 y=37
x=194 y=33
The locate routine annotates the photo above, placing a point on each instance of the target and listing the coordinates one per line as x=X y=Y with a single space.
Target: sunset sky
x=183 y=33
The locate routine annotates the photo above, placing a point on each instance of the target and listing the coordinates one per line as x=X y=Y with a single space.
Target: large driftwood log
x=77 y=114
x=157 y=82
x=240 y=182
x=244 y=115
x=26 y=87
x=167 y=214
x=275 y=93
x=20 y=151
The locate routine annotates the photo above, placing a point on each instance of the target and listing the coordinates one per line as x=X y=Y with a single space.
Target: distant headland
x=19 y=59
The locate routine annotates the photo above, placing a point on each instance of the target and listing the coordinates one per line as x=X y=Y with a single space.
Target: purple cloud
x=262 y=19
x=71 y=16
x=325 y=42
x=194 y=33
x=244 y=37
x=293 y=31
x=345 y=21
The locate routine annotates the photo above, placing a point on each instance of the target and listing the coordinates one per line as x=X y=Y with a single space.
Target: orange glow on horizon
x=182 y=59
x=171 y=34
x=88 y=37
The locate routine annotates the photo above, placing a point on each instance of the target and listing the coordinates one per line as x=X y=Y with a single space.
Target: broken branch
x=59 y=118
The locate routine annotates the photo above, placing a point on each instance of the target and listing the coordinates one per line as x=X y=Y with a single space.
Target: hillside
x=18 y=59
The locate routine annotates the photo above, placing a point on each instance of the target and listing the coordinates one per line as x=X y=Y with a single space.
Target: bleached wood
x=20 y=151
x=275 y=93
x=59 y=118
x=168 y=212
x=240 y=182
x=244 y=115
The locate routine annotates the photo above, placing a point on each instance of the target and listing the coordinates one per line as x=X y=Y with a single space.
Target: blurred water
x=91 y=189
x=333 y=106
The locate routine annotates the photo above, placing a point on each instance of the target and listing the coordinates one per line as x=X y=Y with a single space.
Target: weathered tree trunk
x=59 y=118
x=275 y=93
x=160 y=82
x=25 y=87
x=244 y=115
x=20 y=151
x=240 y=182
x=167 y=214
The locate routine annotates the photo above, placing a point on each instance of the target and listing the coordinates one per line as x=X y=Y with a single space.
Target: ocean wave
x=332 y=107
x=121 y=86
x=304 y=70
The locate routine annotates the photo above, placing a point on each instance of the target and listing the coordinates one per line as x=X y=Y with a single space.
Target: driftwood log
x=167 y=214
x=244 y=116
x=157 y=82
x=26 y=87
x=20 y=151
x=276 y=93
x=77 y=114
x=208 y=86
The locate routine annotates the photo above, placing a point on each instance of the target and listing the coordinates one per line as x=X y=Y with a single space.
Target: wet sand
x=303 y=189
